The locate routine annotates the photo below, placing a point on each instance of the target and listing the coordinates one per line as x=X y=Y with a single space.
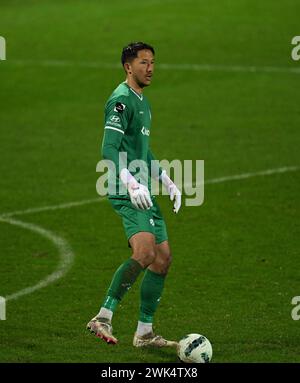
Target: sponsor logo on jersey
x=115 y=119
x=145 y=131
x=119 y=107
x=151 y=222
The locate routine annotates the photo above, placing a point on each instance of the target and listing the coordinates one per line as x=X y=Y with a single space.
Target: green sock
x=151 y=291
x=122 y=280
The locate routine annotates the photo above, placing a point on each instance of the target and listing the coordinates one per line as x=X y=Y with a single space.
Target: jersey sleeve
x=117 y=114
x=116 y=119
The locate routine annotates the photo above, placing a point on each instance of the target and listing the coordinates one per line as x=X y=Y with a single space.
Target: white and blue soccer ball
x=194 y=348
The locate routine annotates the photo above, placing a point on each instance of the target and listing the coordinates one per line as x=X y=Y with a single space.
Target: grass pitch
x=230 y=95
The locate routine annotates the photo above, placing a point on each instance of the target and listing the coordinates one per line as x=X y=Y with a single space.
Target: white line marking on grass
x=229 y=68
x=193 y=67
x=66 y=205
x=242 y=176
x=64 y=249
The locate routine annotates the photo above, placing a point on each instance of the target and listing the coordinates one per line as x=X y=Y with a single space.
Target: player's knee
x=149 y=256
x=167 y=260
x=162 y=262
x=145 y=256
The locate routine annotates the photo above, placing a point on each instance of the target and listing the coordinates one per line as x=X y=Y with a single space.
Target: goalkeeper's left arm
x=158 y=173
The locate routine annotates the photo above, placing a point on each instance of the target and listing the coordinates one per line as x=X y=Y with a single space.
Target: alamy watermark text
x=296 y=50
x=2 y=48
x=187 y=175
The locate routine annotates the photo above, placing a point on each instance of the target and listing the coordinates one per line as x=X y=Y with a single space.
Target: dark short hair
x=130 y=52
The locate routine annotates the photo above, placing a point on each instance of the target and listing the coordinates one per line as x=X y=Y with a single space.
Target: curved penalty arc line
x=65 y=253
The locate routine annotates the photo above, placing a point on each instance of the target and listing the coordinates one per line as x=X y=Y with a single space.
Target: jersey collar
x=140 y=96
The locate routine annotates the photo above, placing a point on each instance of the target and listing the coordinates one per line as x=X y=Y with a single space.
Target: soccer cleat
x=152 y=340
x=102 y=328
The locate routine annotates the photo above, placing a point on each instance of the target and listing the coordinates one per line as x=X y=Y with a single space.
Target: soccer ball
x=194 y=348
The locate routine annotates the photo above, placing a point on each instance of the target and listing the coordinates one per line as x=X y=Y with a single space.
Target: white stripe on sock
x=105 y=313
x=143 y=328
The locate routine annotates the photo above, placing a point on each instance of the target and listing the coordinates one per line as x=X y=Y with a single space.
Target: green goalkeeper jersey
x=127 y=130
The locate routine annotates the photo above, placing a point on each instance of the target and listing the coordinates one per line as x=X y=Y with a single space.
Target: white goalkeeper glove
x=138 y=193
x=172 y=189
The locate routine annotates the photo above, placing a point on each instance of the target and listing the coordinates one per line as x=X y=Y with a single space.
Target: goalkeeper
x=127 y=130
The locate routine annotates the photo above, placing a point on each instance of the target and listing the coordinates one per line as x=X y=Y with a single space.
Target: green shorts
x=135 y=220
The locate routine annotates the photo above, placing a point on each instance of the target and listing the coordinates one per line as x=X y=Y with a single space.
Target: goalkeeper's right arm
x=138 y=193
